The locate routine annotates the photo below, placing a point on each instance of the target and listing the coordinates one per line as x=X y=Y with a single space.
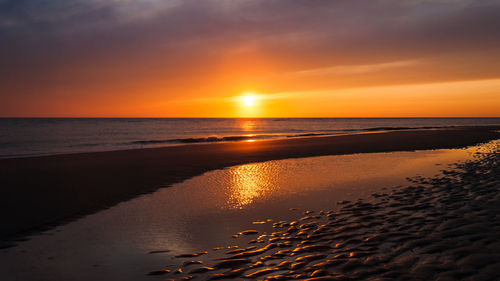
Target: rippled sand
x=441 y=228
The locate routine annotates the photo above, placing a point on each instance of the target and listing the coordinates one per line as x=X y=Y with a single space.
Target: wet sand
x=440 y=228
x=39 y=192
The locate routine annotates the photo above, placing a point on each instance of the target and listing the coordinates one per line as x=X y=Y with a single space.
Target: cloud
x=354 y=69
x=52 y=47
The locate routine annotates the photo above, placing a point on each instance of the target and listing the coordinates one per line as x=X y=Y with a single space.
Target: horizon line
x=310 y=117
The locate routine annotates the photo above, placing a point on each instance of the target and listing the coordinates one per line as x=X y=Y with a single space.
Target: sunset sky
x=249 y=58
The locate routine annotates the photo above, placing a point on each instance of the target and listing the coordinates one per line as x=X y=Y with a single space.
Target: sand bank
x=41 y=191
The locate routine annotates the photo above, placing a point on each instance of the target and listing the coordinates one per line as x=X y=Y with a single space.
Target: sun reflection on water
x=248 y=125
x=249 y=183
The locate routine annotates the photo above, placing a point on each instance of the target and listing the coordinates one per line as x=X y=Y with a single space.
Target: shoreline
x=50 y=190
x=41 y=148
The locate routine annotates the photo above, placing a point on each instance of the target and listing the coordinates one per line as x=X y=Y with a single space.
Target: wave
x=308 y=133
x=196 y=140
x=407 y=128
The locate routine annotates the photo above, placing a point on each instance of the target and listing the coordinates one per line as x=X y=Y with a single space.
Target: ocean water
x=24 y=137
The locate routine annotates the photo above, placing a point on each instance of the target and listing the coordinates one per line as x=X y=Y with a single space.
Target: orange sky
x=358 y=58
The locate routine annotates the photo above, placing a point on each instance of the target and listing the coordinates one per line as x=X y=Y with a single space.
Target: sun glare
x=248 y=99
x=249 y=104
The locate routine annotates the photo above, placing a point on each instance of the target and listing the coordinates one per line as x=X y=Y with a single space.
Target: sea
x=27 y=137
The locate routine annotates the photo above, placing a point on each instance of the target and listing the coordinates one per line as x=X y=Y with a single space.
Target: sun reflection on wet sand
x=249 y=182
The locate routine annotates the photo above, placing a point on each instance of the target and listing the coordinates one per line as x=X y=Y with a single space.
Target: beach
x=46 y=191
x=411 y=214
x=146 y=140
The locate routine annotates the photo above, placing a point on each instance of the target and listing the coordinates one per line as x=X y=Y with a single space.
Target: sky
x=295 y=58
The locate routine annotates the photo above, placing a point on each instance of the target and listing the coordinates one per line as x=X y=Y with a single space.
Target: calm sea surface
x=22 y=137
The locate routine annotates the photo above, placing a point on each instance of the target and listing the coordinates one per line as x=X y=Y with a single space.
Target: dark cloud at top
x=51 y=42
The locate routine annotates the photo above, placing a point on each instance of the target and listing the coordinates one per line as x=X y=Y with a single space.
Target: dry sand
x=39 y=192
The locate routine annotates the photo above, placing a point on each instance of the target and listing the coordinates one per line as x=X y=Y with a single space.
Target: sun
x=249 y=104
x=248 y=99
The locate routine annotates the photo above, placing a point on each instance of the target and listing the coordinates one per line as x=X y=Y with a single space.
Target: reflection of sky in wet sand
x=249 y=182
x=204 y=211
x=354 y=175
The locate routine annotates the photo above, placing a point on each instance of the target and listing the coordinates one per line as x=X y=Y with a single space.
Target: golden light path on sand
x=249 y=182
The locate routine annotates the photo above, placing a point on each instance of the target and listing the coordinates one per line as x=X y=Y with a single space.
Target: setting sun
x=248 y=99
